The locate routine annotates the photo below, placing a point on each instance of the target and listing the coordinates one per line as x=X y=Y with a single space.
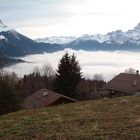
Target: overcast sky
x=42 y=18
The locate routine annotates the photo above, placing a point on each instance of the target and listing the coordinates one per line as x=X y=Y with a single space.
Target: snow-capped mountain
x=13 y=43
x=2 y=37
x=57 y=39
x=116 y=40
x=98 y=37
x=119 y=37
x=116 y=37
x=4 y=27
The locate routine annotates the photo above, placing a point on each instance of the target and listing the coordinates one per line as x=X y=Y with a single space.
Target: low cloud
x=102 y=62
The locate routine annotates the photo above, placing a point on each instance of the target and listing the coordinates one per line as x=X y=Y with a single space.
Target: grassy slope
x=105 y=119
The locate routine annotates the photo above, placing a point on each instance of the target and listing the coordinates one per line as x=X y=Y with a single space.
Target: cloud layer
x=106 y=63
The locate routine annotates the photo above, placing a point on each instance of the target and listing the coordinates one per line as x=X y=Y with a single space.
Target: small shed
x=44 y=98
x=123 y=84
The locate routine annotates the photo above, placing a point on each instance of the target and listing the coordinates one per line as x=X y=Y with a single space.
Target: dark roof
x=38 y=99
x=127 y=83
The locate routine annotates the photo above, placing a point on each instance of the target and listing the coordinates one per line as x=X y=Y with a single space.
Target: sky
x=43 y=18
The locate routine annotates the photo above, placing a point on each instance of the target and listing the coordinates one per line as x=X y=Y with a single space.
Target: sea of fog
x=99 y=62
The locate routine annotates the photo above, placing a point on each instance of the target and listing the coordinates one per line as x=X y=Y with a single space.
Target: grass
x=105 y=119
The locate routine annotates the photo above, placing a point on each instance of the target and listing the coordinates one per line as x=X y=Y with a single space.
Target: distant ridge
x=118 y=37
x=57 y=39
x=14 y=44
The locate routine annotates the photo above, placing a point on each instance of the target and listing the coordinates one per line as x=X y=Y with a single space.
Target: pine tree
x=9 y=98
x=68 y=75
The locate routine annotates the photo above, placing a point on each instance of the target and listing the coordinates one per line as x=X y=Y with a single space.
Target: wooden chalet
x=44 y=98
x=123 y=84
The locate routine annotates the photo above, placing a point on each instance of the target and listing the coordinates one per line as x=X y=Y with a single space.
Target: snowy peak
x=1 y=24
x=98 y=37
x=117 y=37
x=2 y=37
x=137 y=28
x=111 y=37
x=57 y=39
x=3 y=27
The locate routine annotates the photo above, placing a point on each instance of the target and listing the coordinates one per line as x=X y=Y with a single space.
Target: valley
x=99 y=62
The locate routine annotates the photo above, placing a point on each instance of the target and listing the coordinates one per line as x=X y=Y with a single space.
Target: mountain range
x=57 y=39
x=13 y=44
x=116 y=38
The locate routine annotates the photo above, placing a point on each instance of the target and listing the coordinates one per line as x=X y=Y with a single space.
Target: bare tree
x=85 y=90
x=98 y=77
x=47 y=70
x=36 y=71
x=130 y=71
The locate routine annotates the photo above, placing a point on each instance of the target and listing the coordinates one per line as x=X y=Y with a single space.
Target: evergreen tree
x=9 y=99
x=68 y=75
